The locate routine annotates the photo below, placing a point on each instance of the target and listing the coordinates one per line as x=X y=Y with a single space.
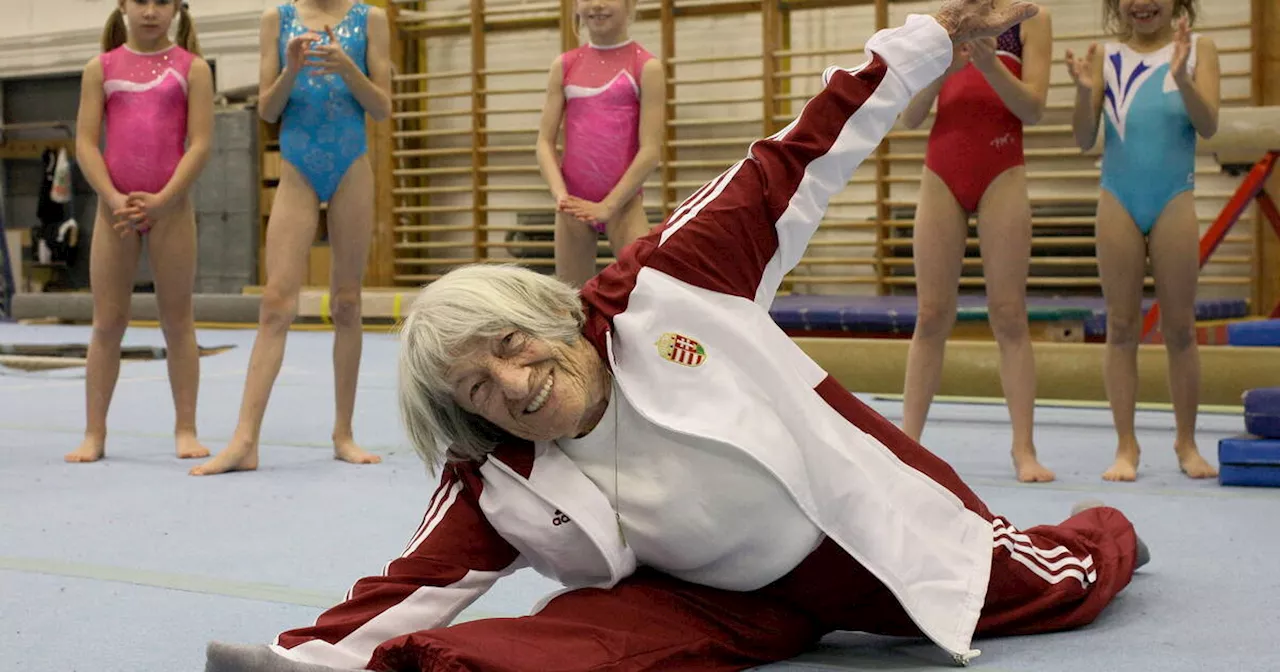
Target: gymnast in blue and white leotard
x=1149 y=155
x=322 y=129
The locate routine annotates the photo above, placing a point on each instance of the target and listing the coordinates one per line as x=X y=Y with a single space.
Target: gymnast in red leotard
x=975 y=137
x=974 y=165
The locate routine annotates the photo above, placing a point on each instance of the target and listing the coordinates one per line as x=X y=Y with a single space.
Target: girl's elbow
x=84 y=149
x=1210 y=128
x=1036 y=114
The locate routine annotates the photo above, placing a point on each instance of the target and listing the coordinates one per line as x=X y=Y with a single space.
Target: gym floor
x=129 y=564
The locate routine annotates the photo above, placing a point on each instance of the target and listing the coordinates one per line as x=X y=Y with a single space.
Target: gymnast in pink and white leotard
x=145 y=114
x=601 y=117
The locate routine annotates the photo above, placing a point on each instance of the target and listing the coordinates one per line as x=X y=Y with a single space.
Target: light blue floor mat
x=130 y=565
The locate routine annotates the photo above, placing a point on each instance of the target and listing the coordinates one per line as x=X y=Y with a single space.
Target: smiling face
x=149 y=20
x=604 y=20
x=531 y=388
x=1148 y=17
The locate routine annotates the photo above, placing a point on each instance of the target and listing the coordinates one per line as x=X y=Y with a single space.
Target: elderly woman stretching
x=711 y=499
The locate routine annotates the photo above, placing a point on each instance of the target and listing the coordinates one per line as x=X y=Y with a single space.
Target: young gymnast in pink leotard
x=609 y=93
x=154 y=96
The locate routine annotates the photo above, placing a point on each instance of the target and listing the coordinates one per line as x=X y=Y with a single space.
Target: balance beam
x=1069 y=371
x=78 y=307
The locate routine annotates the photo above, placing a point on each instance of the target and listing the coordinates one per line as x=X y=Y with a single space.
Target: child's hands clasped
x=127 y=215
x=587 y=211
x=329 y=58
x=982 y=52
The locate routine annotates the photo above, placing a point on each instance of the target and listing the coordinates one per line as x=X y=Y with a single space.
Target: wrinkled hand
x=295 y=52
x=982 y=52
x=127 y=216
x=587 y=211
x=968 y=20
x=1181 y=52
x=329 y=58
x=1081 y=69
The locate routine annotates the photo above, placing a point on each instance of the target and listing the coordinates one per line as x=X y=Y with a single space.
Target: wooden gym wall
x=459 y=181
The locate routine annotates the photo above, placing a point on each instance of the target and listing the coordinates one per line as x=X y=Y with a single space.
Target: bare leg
x=172 y=244
x=941 y=226
x=290 y=231
x=629 y=224
x=1004 y=229
x=576 y=247
x=350 y=233
x=113 y=261
x=1122 y=264
x=1175 y=263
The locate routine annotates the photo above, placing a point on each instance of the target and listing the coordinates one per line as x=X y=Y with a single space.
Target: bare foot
x=1028 y=468
x=1191 y=462
x=91 y=449
x=189 y=446
x=237 y=456
x=347 y=451
x=1125 y=467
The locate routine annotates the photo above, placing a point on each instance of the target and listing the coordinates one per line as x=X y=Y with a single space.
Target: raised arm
x=1200 y=92
x=743 y=231
x=918 y=109
x=275 y=79
x=452 y=559
x=1087 y=74
x=1025 y=96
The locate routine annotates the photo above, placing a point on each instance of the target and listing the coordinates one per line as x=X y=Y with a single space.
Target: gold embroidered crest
x=681 y=349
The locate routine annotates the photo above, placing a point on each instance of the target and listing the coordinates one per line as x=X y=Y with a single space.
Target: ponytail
x=114 y=33
x=187 y=31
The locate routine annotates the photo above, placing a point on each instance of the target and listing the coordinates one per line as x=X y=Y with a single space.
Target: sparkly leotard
x=322 y=130
x=145 y=114
x=601 y=117
x=975 y=137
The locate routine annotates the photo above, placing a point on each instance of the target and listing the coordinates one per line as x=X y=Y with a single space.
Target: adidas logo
x=559 y=518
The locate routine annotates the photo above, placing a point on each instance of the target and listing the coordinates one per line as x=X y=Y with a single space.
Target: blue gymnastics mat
x=896 y=315
x=1249 y=461
x=1254 y=333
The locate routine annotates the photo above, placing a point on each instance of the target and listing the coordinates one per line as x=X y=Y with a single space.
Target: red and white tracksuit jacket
x=706 y=278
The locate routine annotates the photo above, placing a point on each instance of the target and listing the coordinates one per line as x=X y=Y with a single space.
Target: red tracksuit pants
x=1043 y=579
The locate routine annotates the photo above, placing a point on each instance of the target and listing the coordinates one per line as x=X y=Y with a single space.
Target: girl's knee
x=345 y=308
x=935 y=320
x=177 y=322
x=110 y=328
x=1008 y=321
x=1124 y=331
x=278 y=309
x=1179 y=336
x=109 y=325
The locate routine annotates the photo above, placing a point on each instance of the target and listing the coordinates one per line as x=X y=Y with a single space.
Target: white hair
x=447 y=318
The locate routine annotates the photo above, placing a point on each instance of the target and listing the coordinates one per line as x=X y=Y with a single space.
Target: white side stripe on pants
x=694 y=204
x=1052 y=564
